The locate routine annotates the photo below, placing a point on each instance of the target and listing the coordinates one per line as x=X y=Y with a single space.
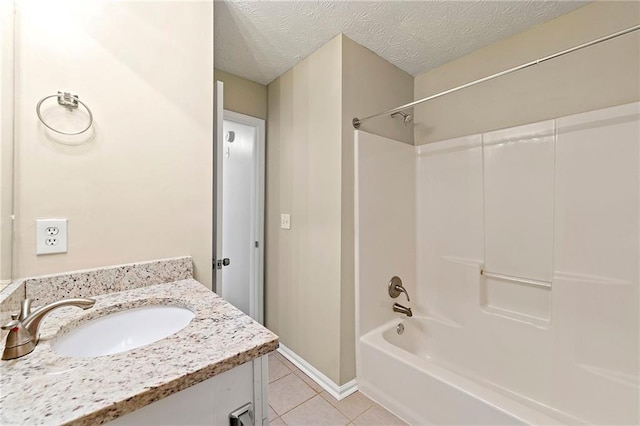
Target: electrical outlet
x=51 y=236
x=285 y=221
x=52 y=230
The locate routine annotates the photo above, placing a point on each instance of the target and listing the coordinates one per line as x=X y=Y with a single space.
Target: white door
x=239 y=267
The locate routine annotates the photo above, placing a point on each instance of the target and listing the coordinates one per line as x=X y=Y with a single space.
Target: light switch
x=285 y=221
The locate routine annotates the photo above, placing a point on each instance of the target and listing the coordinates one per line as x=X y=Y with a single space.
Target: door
x=242 y=213
x=239 y=268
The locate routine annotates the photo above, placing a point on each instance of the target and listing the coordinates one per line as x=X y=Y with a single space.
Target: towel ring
x=67 y=100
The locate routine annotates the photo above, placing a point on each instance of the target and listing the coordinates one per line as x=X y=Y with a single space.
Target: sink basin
x=123 y=331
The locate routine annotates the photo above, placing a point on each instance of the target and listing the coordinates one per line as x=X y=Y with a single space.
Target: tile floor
x=296 y=400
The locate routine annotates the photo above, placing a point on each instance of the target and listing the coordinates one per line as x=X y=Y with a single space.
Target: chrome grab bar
x=527 y=281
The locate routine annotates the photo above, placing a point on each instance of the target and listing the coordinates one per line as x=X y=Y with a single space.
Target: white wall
x=385 y=218
x=362 y=72
x=139 y=185
x=450 y=238
x=555 y=201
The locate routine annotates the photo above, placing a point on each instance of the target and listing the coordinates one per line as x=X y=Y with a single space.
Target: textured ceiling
x=260 y=40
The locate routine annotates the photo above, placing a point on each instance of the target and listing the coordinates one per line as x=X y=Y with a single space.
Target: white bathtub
x=399 y=372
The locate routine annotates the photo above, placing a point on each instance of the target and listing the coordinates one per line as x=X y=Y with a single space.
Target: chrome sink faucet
x=24 y=328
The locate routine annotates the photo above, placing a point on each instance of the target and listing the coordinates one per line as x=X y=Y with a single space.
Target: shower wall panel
x=518 y=200
x=385 y=226
x=449 y=224
x=555 y=201
x=518 y=218
x=596 y=292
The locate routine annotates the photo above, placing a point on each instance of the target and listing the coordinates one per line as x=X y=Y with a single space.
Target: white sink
x=123 y=331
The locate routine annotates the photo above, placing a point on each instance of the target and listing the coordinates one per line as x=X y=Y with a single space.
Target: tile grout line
x=315 y=393
x=331 y=405
x=293 y=408
x=291 y=372
x=285 y=366
x=363 y=413
x=342 y=412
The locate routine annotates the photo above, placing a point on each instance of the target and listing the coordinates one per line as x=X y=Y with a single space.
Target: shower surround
x=555 y=203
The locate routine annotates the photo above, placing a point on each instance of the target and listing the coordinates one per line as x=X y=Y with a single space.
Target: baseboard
x=336 y=391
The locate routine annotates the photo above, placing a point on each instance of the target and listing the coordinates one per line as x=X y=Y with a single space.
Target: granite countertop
x=46 y=388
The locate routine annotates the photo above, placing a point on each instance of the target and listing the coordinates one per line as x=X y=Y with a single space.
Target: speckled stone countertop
x=46 y=388
x=91 y=282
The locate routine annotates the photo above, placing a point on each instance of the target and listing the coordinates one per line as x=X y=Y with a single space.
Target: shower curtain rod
x=358 y=121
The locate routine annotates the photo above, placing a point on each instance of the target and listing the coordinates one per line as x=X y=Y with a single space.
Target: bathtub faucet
x=402 y=309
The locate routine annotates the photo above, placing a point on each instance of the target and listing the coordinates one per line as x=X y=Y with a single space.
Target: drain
x=400 y=328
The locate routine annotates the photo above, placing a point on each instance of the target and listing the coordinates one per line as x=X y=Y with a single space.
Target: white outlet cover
x=51 y=236
x=285 y=221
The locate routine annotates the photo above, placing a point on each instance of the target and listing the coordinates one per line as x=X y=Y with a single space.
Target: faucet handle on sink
x=19 y=340
x=24 y=328
x=25 y=309
x=13 y=323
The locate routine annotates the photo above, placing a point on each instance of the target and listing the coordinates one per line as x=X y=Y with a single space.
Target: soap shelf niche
x=519 y=299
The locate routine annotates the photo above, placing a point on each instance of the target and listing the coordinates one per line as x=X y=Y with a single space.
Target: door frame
x=256 y=289
x=218 y=146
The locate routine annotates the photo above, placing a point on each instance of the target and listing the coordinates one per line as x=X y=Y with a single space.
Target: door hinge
x=257 y=244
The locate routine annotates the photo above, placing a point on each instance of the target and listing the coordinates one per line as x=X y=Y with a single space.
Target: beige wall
x=139 y=186
x=310 y=299
x=593 y=78
x=370 y=84
x=242 y=95
x=302 y=265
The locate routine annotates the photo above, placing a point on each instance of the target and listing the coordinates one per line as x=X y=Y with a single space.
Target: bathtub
x=400 y=372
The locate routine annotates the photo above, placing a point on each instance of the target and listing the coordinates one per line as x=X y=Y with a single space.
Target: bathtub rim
x=493 y=398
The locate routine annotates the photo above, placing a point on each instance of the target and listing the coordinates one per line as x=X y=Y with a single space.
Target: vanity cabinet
x=209 y=402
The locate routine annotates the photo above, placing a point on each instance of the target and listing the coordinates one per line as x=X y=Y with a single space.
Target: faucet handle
x=25 y=309
x=404 y=290
x=11 y=324
x=18 y=335
x=396 y=287
x=19 y=341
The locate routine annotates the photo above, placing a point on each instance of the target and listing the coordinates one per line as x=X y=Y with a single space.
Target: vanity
x=213 y=366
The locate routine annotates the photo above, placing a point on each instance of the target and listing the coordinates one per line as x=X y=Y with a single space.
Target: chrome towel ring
x=66 y=100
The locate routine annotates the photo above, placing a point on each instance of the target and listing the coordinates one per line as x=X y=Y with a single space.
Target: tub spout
x=402 y=309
